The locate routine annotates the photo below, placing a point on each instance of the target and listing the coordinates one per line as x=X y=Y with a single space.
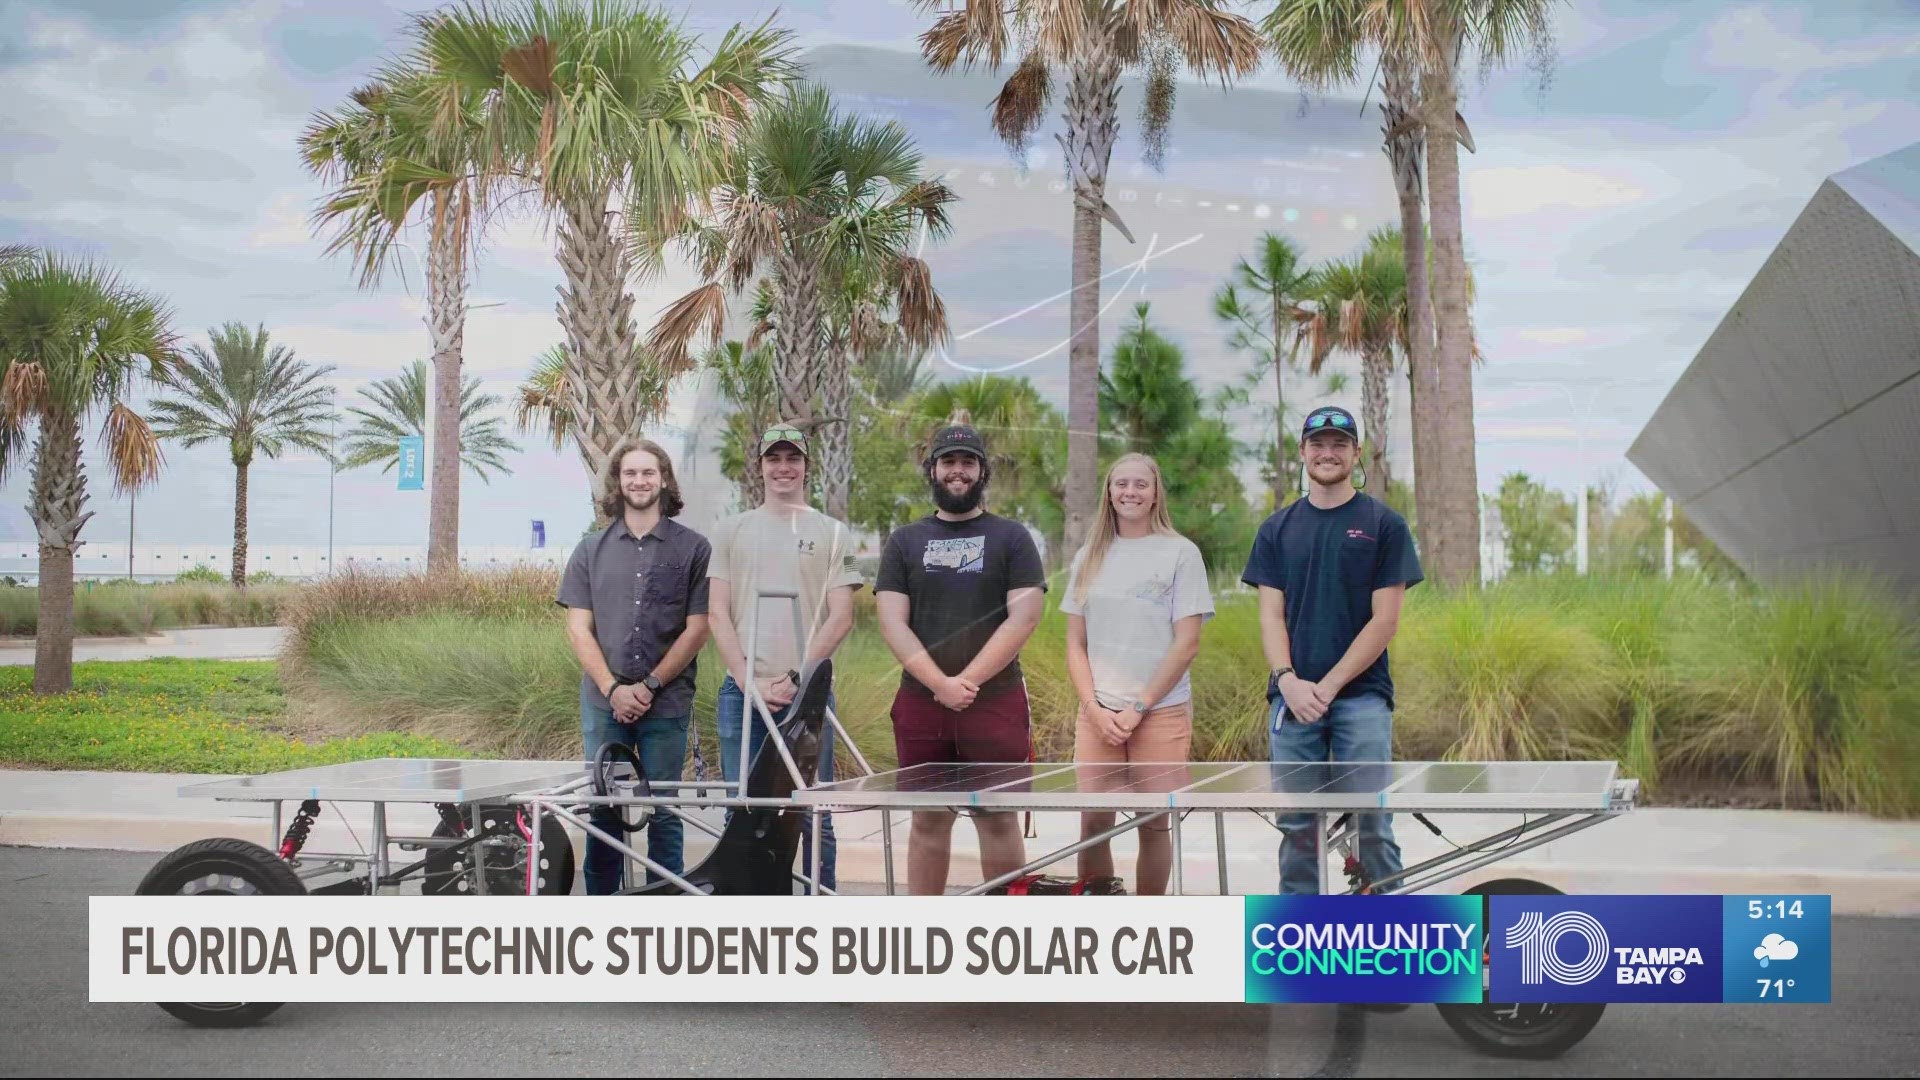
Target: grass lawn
x=202 y=716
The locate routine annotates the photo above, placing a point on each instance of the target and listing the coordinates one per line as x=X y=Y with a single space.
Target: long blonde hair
x=1106 y=525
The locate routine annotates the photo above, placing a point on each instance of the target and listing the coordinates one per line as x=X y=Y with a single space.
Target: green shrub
x=106 y=610
x=200 y=572
x=1814 y=685
x=1495 y=676
x=197 y=716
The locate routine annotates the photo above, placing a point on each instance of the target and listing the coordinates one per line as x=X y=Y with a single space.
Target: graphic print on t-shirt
x=961 y=554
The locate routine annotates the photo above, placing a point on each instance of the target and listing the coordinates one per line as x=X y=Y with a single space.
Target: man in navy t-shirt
x=1332 y=570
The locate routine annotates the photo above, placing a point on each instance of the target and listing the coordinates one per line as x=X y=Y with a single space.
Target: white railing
x=163 y=562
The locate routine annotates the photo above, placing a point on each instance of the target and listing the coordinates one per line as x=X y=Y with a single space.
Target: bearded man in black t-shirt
x=958 y=594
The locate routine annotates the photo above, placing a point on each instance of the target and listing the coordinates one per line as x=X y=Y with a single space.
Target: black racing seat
x=755 y=854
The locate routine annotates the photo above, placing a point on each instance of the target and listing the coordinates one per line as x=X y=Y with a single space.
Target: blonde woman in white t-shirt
x=1135 y=603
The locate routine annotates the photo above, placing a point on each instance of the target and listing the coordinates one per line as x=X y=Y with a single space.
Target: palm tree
x=1424 y=41
x=15 y=257
x=543 y=402
x=73 y=339
x=1026 y=444
x=1262 y=305
x=405 y=151
x=895 y=372
x=398 y=408
x=826 y=206
x=743 y=375
x=1090 y=42
x=255 y=397
x=1360 y=307
x=588 y=103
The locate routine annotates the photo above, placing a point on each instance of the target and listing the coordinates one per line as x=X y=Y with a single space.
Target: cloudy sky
x=1613 y=214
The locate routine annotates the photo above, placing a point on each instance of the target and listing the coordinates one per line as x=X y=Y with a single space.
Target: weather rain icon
x=1775 y=947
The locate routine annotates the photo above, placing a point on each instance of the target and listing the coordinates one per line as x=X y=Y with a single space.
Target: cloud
x=1519 y=191
x=1775 y=947
x=1751 y=37
x=283 y=223
x=1556 y=335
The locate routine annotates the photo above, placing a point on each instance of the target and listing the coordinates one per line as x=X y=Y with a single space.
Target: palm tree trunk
x=446 y=319
x=596 y=311
x=1091 y=116
x=1376 y=367
x=796 y=343
x=1454 y=541
x=1404 y=149
x=57 y=503
x=240 y=524
x=836 y=440
x=1280 y=484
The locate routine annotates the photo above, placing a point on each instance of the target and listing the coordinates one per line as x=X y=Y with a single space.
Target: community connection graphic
x=1533 y=948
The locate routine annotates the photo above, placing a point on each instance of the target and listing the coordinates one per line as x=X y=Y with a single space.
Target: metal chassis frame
x=573 y=807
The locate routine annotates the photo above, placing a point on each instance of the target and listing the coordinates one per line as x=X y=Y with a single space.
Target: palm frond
x=545 y=398
x=1022 y=102
x=705 y=306
x=133 y=451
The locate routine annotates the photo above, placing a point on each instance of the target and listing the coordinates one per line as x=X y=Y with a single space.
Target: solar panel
x=396 y=780
x=1517 y=786
x=1405 y=786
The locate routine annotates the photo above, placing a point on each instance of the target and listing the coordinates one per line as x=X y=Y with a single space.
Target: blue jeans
x=732 y=700
x=1358 y=728
x=661 y=743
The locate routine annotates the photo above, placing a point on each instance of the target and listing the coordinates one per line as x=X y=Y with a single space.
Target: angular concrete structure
x=1793 y=439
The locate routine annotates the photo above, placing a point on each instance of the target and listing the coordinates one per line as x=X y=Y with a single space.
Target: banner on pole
x=413 y=463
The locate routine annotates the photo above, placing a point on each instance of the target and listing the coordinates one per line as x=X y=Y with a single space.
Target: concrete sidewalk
x=194 y=643
x=1869 y=866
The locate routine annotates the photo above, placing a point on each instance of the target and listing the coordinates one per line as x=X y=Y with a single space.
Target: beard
x=640 y=504
x=1329 y=475
x=965 y=502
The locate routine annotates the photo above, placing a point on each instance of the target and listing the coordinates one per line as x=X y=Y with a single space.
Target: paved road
x=198 y=643
x=48 y=1028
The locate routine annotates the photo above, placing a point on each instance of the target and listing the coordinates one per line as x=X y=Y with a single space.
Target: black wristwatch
x=1280 y=673
x=793 y=677
x=652 y=683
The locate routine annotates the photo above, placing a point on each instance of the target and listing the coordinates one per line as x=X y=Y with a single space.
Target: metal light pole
x=1669 y=501
x=333 y=468
x=133 y=500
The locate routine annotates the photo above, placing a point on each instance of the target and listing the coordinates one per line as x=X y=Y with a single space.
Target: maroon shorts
x=996 y=727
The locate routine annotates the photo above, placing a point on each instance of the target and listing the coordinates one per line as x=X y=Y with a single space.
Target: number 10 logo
x=1538 y=938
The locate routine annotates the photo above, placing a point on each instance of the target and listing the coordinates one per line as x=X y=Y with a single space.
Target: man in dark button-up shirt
x=636 y=594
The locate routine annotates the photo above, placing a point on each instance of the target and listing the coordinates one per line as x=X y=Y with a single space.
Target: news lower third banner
x=1273 y=949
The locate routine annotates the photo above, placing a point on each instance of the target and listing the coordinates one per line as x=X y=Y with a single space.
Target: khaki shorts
x=1163 y=735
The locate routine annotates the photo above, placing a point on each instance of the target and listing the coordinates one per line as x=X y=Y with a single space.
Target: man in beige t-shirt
x=783 y=545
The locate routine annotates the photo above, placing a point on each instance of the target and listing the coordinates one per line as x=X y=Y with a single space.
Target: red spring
x=520 y=820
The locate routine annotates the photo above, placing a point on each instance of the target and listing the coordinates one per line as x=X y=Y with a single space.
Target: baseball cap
x=783 y=433
x=957 y=437
x=1330 y=418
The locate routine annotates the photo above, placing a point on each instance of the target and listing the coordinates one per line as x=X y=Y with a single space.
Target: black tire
x=452 y=875
x=223 y=866
x=1520 y=1030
